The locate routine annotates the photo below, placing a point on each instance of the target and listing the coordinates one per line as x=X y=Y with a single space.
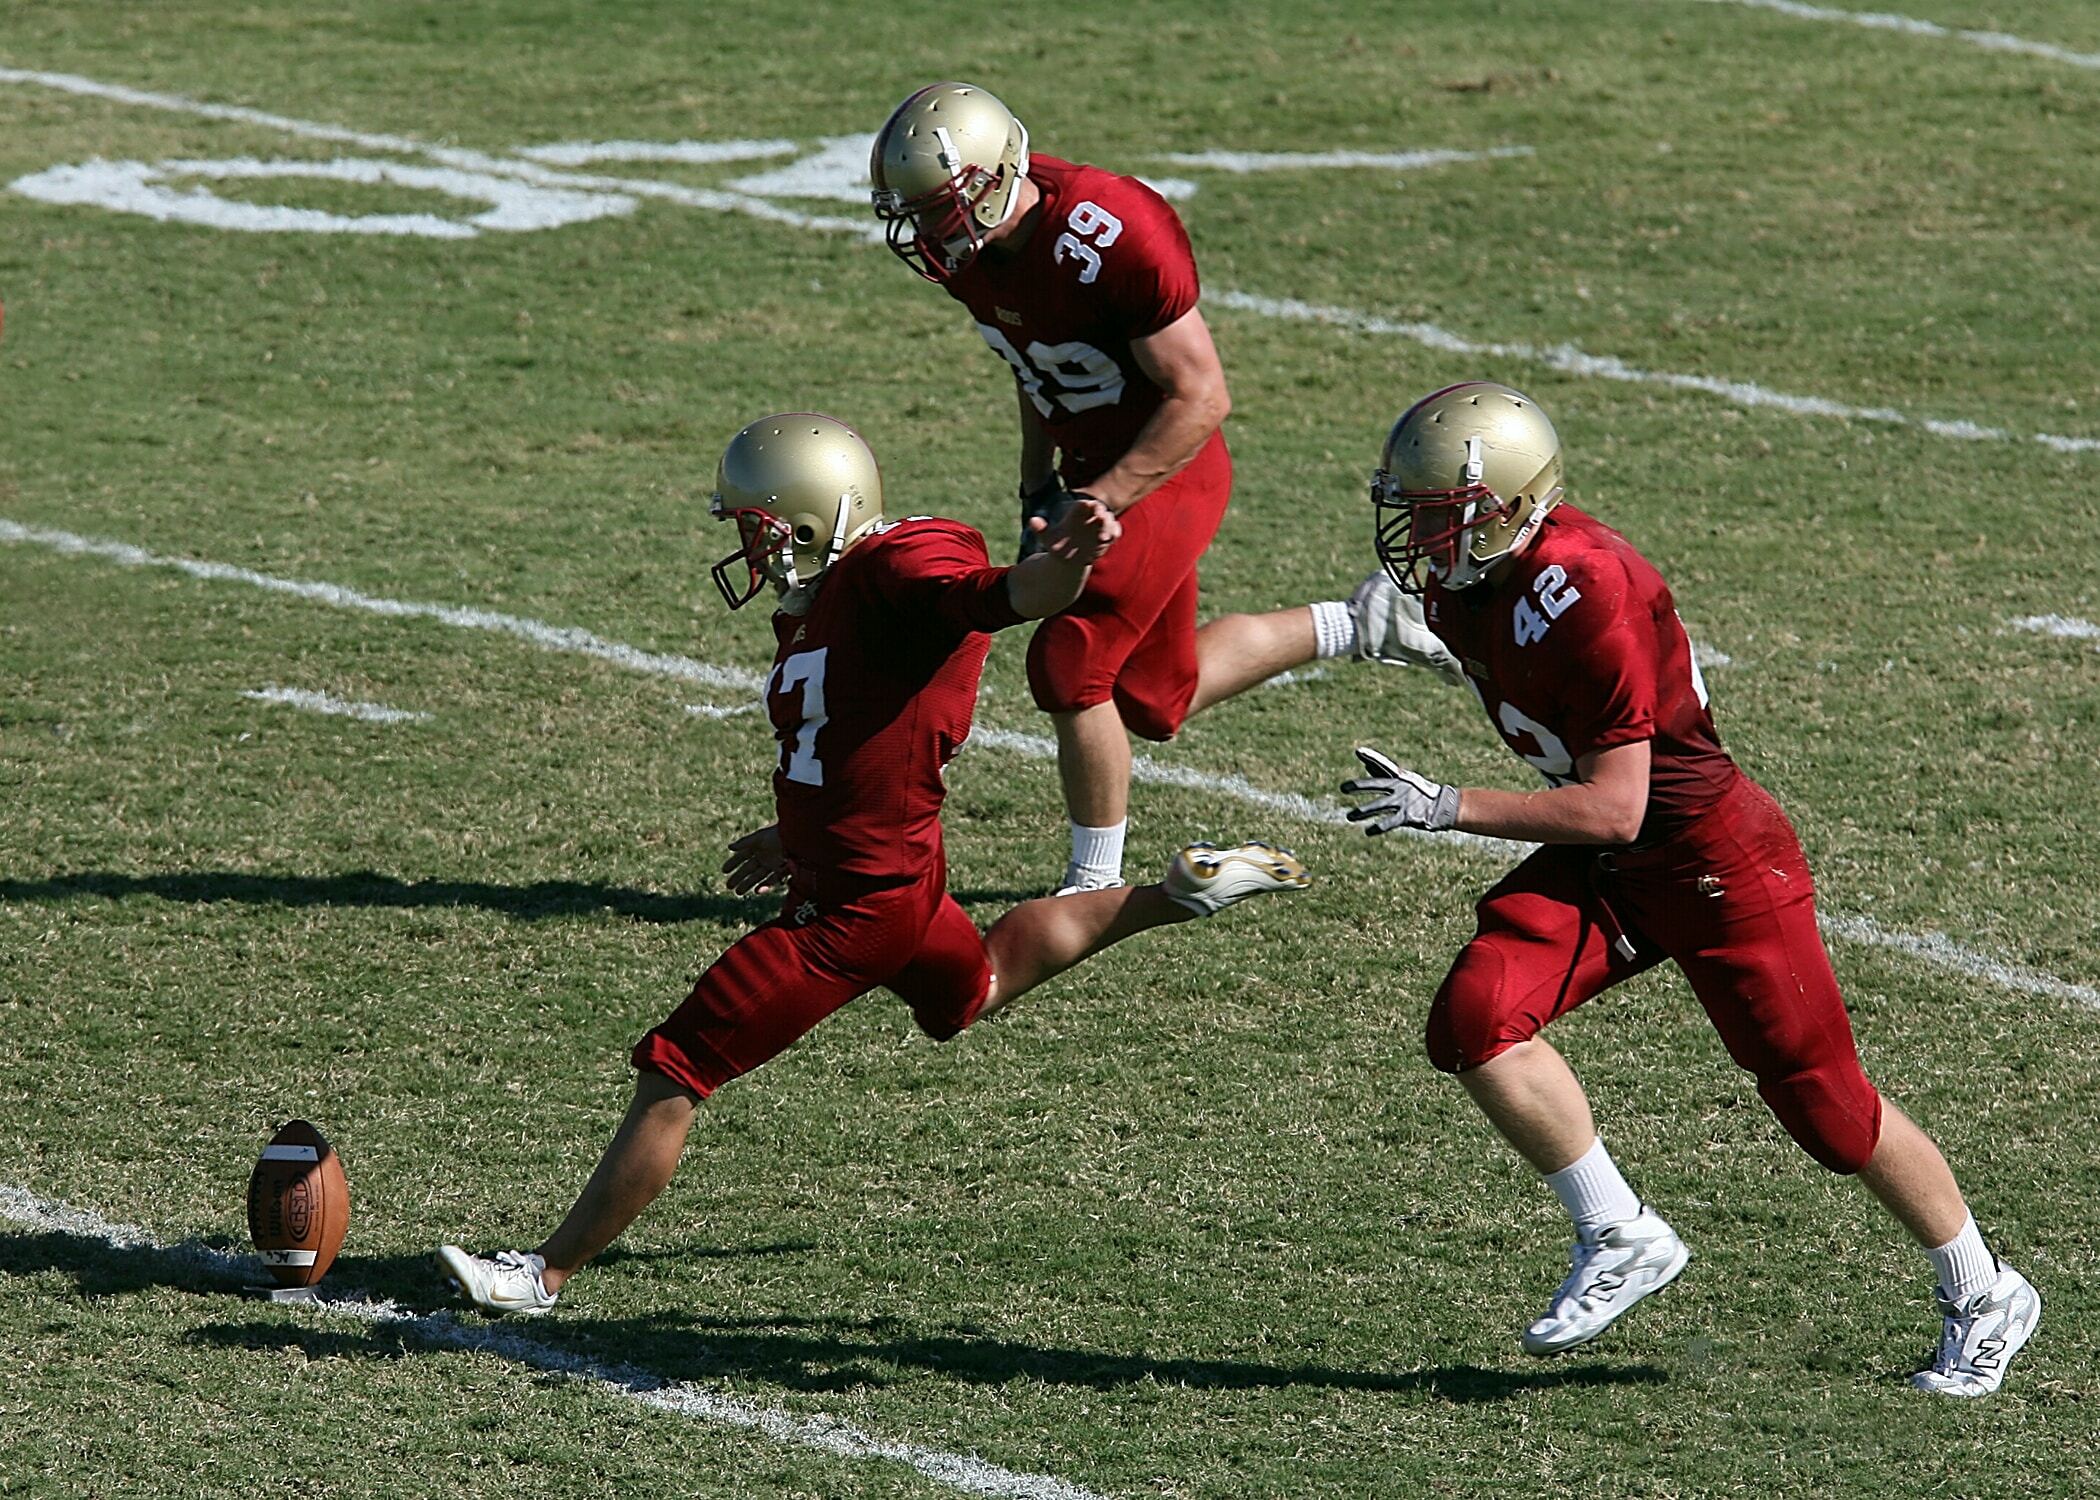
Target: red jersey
x=1579 y=648
x=1106 y=262
x=871 y=694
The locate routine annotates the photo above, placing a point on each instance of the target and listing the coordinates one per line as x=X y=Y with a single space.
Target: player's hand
x=1390 y=629
x=1399 y=797
x=1083 y=534
x=1042 y=502
x=756 y=862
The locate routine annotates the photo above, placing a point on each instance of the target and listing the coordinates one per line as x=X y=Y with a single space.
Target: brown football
x=298 y=1205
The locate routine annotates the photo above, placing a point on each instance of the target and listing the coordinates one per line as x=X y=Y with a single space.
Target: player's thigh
x=754 y=1002
x=774 y=984
x=1542 y=947
x=949 y=978
x=1077 y=656
x=1744 y=931
x=1158 y=680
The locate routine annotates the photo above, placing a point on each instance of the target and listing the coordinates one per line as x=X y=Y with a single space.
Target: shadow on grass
x=820 y=1357
x=834 y=1354
x=534 y=901
x=531 y=902
x=813 y=1355
x=99 y=1268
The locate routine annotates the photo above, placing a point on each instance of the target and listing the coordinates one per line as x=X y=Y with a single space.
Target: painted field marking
x=719 y=711
x=1989 y=41
x=1565 y=357
x=2058 y=625
x=1932 y=947
x=822 y=1434
x=532 y=632
x=322 y=703
x=1298 y=161
x=1573 y=361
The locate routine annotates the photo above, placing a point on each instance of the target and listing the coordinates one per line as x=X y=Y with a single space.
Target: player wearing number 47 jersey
x=883 y=626
x=1655 y=846
x=1084 y=283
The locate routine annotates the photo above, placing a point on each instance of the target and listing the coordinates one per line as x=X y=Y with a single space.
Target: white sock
x=1334 y=628
x=1097 y=853
x=1592 y=1191
x=1965 y=1264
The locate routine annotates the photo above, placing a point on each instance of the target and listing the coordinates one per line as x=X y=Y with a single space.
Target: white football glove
x=1399 y=798
x=1390 y=629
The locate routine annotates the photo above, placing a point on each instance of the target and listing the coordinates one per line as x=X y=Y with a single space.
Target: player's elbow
x=1617 y=820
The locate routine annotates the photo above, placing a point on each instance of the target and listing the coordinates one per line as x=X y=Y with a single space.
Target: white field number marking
x=150 y=190
x=527 y=164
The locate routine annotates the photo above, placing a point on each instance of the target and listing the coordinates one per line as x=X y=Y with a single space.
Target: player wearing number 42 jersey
x=1654 y=846
x=1084 y=283
x=882 y=627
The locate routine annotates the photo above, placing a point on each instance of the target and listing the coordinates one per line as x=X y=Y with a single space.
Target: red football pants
x=1730 y=902
x=1131 y=636
x=778 y=981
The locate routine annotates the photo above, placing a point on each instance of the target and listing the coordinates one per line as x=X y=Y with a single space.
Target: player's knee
x=1153 y=721
x=947 y=1018
x=1468 y=1022
x=1831 y=1111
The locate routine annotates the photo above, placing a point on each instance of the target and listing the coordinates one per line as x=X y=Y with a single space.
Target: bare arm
x=1605 y=804
x=1183 y=362
x=1050 y=580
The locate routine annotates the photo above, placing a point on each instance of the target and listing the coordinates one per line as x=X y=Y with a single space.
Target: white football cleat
x=507 y=1282
x=1207 y=879
x=1608 y=1272
x=1390 y=629
x=1979 y=1337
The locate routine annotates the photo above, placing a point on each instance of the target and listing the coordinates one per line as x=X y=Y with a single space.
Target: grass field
x=1813 y=304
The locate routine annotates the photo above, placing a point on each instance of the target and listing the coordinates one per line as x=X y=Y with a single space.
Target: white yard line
x=2058 y=625
x=545 y=637
x=1573 y=361
x=1297 y=161
x=1989 y=41
x=1563 y=357
x=828 y=1435
x=1930 y=947
x=322 y=703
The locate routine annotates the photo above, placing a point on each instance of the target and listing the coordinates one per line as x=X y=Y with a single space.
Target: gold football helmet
x=946 y=167
x=801 y=488
x=1468 y=474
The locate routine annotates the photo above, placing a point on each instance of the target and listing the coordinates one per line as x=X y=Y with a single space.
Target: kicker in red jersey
x=1106 y=262
x=1580 y=649
x=872 y=693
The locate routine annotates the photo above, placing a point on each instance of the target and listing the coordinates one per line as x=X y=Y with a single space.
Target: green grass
x=1198 y=1220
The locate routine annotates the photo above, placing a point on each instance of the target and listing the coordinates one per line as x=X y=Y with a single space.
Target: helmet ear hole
x=805 y=533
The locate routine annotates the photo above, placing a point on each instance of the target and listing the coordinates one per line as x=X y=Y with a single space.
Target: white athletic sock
x=1592 y=1191
x=1334 y=628
x=1097 y=853
x=1965 y=1264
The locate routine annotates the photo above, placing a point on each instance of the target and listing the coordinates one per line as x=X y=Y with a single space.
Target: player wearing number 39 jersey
x=1655 y=846
x=1083 y=283
x=882 y=630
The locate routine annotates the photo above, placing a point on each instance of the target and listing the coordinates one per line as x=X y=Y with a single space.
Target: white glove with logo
x=1399 y=798
x=1390 y=629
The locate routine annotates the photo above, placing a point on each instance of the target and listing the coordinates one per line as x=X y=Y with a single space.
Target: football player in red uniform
x=1654 y=846
x=1084 y=283
x=883 y=627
